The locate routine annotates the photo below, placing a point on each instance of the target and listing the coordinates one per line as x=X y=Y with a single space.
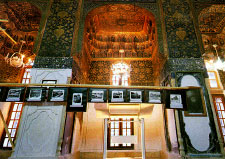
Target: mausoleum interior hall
x=112 y=79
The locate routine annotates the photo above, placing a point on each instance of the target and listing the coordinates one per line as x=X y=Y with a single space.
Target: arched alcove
x=118 y=32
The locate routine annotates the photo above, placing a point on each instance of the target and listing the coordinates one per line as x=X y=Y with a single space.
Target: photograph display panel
x=117 y=95
x=154 y=96
x=176 y=99
x=135 y=95
x=15 y=94
x=97 y=95
x=57 y=94
x=77 y=100
x=35 y=94
x=195 y=103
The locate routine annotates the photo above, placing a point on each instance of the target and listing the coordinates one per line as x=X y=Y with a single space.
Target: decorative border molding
x=53 y=62
x=185 y=64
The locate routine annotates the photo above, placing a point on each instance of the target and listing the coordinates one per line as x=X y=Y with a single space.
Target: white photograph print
x=117 y=96
x=77 y=100
x=176 y=101
x=135 y=96
x=154 y=97
x=57 y=95
x=97 y=96
x=35 y=95
x=14 y=95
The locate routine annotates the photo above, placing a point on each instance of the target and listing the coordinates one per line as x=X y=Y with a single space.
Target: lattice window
x=220 y=111
x=26 y=76
x=15 y=114
x=120 y=127
x=13 y=123
x=213 y=80
x=121 y=73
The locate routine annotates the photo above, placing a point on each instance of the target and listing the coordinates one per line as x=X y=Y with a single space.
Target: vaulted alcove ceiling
x=112 y=28
x=19 y=21
x=212 y=19
x=22 y=23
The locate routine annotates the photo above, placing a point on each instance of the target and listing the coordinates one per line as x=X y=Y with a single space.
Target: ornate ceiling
x=212 y=22
x=212 y=19
x=23 y=24
x=112 y=28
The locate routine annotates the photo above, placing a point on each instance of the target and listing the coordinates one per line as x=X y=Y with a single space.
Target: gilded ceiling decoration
x=212 y=19
x=112 y=28
x=120 y=31
x=212 y=22
x=22 y=24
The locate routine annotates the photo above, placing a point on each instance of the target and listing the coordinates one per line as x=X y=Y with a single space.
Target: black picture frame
x=135 y=95
x=117 y=95
x=35 y=94
x=77 y=100
x=176 y=99
x=15 y=94
x=97 y=95
x=195 y=103
x=154 y=96
x=3 y=93
x=57 y=94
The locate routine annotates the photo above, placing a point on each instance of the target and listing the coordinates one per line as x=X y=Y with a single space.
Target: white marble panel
x=61 y=75
x=39 y=132
x=197 y=128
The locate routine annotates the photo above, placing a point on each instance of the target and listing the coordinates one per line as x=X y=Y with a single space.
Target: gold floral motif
x=174 y=1
x=59 y=32
x=62 y=14
x=181 y=33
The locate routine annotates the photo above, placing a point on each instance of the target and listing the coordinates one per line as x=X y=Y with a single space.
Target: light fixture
x=16 y=59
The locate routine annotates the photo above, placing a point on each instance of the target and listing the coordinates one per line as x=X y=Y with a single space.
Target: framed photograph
x=195 y=103
x=77 y=100
x=176 y=101
x=49 y=81
x=14 y=95
x=117 y=96
x=97 y=96
x=154 y=97
x=35 y=95
x=135 y=96
x=57 y=95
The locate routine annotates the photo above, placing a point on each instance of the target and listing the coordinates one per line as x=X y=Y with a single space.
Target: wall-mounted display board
x=3 y=93
x=15 y=94
x=195 y=103
x=97 y=95
x=154 y=96
x=175 y=99
x=189 y=99
x=57 y=94
x=117 y=95
x=135 y=95
x=35 y=94
x=77 y=100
